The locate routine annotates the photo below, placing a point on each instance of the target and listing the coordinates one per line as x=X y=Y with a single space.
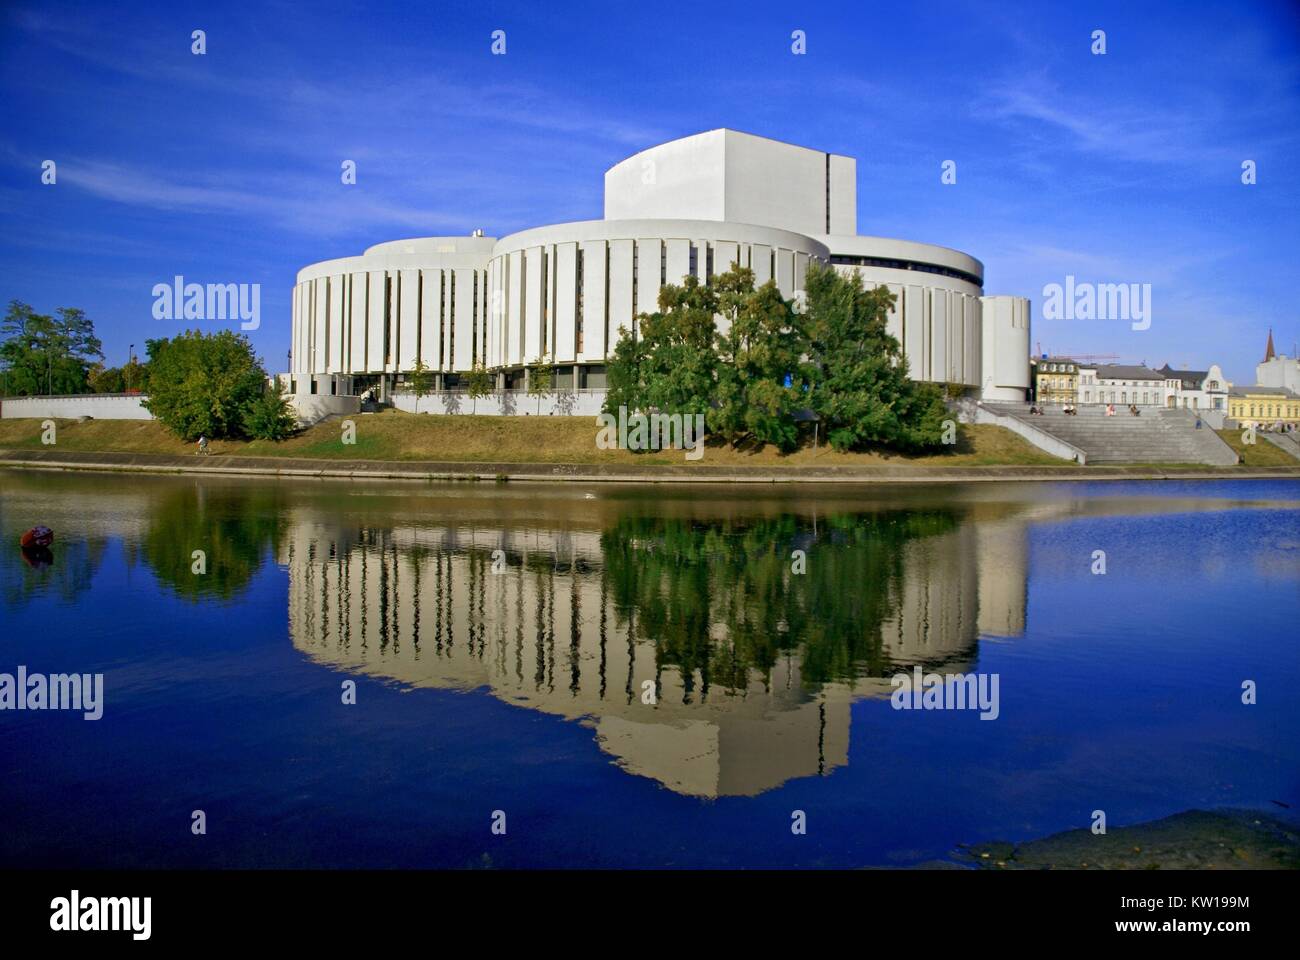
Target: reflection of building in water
x=1003 y=551
x=423 y=606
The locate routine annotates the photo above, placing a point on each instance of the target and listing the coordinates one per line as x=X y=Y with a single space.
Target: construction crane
x=1084 y=357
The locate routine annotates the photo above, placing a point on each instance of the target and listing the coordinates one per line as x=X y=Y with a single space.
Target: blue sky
x=224 y=168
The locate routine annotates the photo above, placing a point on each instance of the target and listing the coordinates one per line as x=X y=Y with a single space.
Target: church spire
x=1268 y=350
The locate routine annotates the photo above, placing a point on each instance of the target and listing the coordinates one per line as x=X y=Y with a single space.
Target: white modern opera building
x=562 y=293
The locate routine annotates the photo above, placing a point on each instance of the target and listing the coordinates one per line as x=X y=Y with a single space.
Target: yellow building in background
x=1056 y=380
x=1264 y=405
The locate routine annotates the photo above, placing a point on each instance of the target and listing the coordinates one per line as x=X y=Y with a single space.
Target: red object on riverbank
x=37 y=536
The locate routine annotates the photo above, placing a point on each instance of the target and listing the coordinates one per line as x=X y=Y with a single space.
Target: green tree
x=104 y=379
x=237 y=528
x=669 y=364
x=44 y=354
x=860 y=385
x=678 y=579
x=762 y=373
x=420 y=380
x=541 y=378
x=271 y=416
x=478 y=384
x=625 y=374
x=134 y=374
x=203 y=384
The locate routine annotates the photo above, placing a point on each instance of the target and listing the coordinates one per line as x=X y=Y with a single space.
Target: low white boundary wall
x=516 y=403
x=100 y=406
x=315 y=407
x=970 y=411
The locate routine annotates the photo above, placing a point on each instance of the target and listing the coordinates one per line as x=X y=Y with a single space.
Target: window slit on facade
x=388 y=301
x=397 y=322
x=577 y=303
x=451 y=321
x=828 y=193
x=546 y=319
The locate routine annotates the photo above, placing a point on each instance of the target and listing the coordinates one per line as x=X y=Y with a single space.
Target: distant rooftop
x=1123 y=371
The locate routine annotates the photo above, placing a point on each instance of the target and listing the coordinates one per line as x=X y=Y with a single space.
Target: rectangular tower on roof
x=740 y=178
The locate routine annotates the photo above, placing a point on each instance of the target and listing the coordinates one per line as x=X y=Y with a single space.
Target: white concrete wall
x=728 y=175
x=655 y=250
x=1004 y=354
x=340 y=306
x=1281 y=371
x=570 y=403
x=681 y=180
x=971 y=411
x=101 y=406
x=314 y=407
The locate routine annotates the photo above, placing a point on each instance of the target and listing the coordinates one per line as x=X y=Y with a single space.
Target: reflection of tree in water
x=720 y=597
x=233 y=526
x=67 y=576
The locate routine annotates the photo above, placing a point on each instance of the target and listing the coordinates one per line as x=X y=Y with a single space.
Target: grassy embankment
x=1259 y=454
x=394 y=435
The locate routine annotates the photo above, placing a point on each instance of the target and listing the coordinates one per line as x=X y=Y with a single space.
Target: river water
x=624 y=675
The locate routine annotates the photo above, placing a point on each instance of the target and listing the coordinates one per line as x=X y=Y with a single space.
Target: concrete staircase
x=1283 y=441
x=1157 y=436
